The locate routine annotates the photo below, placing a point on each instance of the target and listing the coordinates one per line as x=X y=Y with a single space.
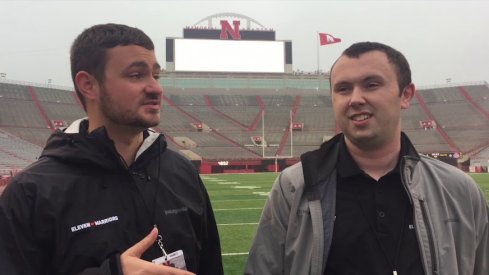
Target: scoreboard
x=228 y=48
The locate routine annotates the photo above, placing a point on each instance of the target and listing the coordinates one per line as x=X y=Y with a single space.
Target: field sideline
x=238 y=200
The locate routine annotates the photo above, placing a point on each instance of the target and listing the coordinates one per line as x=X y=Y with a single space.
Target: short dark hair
x=403 y=71
x=88 y=52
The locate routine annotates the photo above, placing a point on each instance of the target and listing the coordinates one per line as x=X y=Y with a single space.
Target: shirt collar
x=347 y=167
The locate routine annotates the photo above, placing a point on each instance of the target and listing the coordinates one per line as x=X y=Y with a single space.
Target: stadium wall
x=246 y=166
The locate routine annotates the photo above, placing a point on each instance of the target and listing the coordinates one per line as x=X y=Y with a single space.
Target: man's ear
x=407 y=95
x=87 y=85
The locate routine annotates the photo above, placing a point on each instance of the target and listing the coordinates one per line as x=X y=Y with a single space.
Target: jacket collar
x=75 y=144
x=318 y=165
x=80 y=125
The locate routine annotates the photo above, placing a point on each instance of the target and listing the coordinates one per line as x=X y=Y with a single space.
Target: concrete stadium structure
x=251 y=122
x=228 y=114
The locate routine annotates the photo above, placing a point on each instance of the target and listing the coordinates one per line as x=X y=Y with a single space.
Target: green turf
x=483 y=181
x=234 y=264
x=238 y=200
x=237 y=238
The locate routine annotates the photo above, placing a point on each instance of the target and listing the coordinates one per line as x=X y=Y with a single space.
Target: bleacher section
x=14 y=91
x=15 y=153
x=21 y=116
x=231 y=116
x=478 y=92
x=20 y=113
x=458 y=117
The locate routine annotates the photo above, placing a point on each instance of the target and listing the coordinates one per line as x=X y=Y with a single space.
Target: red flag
x=326 y=39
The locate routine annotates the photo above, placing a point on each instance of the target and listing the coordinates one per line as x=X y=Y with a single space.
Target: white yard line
x=236 y=224
x=231 y=209
x=243 y=200
x=234 y=254
x=246 y=187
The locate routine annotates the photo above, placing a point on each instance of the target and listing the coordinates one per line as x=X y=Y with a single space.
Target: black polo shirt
x=374 y=226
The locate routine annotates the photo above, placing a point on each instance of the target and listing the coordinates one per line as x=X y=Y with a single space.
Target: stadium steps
x=259 y=116
x=17 y=153
x=39 y=107
x=469 y=98
x=285 y=137
x=172 y=104
x=208 y=101
x=233 y=142
x=440 y=131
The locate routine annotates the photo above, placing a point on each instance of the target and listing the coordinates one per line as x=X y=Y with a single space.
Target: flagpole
x=317 y=50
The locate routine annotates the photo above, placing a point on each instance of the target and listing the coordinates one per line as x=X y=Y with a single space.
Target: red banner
x=326 y=39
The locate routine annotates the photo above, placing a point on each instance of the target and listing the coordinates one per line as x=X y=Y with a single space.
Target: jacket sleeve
x=25 y=247
x=6 y=263
x=111 y=266
x=482 y=231
x=23 y=254
x=267 y=251
x=210 y=262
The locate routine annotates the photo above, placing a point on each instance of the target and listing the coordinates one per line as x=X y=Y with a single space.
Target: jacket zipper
x=425 y=218
x=430 y=238
x=404 y=181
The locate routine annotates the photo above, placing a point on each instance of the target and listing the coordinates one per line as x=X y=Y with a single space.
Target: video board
x=228 y=49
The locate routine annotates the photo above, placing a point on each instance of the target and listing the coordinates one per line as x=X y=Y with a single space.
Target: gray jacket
x=294 y=234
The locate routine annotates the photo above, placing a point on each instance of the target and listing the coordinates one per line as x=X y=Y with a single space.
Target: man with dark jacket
x=107 y=196
x=366 y=202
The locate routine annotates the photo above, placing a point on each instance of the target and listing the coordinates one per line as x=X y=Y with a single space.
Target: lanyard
x=159 y=240
x=155 y=188
x=149 y=203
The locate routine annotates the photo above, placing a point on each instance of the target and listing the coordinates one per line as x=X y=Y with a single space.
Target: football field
x=238 y=200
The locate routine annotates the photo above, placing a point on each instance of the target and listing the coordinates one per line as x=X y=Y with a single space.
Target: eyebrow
x=142 y=64
x=341 y=83
x=364 y=79
x=372 y=77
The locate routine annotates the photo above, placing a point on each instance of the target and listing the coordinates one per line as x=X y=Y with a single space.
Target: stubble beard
x=115 y=114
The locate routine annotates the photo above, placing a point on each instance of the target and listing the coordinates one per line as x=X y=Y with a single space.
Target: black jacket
x=78 y=207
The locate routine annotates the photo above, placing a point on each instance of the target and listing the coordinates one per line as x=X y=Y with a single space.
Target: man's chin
x=150 y=121
x=152 y=124
x=362 y=139
x=144 y=124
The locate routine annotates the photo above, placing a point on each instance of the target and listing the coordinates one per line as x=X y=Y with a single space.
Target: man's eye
x=341 y=89
x=372 y=85
x=135 y=75
x=156 y=76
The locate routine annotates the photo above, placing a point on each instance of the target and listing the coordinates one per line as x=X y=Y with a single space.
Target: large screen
x=200 y=55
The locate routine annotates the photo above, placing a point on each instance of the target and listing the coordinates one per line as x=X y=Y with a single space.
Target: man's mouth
x=152 y=102
x=360 y=117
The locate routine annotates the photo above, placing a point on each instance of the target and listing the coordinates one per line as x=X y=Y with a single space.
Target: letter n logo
x=226 y=28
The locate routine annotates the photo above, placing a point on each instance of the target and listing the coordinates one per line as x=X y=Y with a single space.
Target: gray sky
x=441 y=39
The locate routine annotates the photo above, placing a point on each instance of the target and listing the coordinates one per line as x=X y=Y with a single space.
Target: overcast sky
x=441 y=39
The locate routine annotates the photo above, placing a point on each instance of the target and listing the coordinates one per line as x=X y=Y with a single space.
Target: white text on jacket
x=94 y=223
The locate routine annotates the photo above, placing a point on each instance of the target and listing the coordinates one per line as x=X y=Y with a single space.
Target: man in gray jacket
x=366 y=202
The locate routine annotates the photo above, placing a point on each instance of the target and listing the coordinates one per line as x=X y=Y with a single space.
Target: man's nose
x=357 y=97
x=154 y=87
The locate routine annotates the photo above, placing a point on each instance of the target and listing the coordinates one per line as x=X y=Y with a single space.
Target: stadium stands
x=231 y=111
x=16 y=153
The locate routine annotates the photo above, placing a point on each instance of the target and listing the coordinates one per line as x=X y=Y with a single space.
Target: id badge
x=174 y=259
